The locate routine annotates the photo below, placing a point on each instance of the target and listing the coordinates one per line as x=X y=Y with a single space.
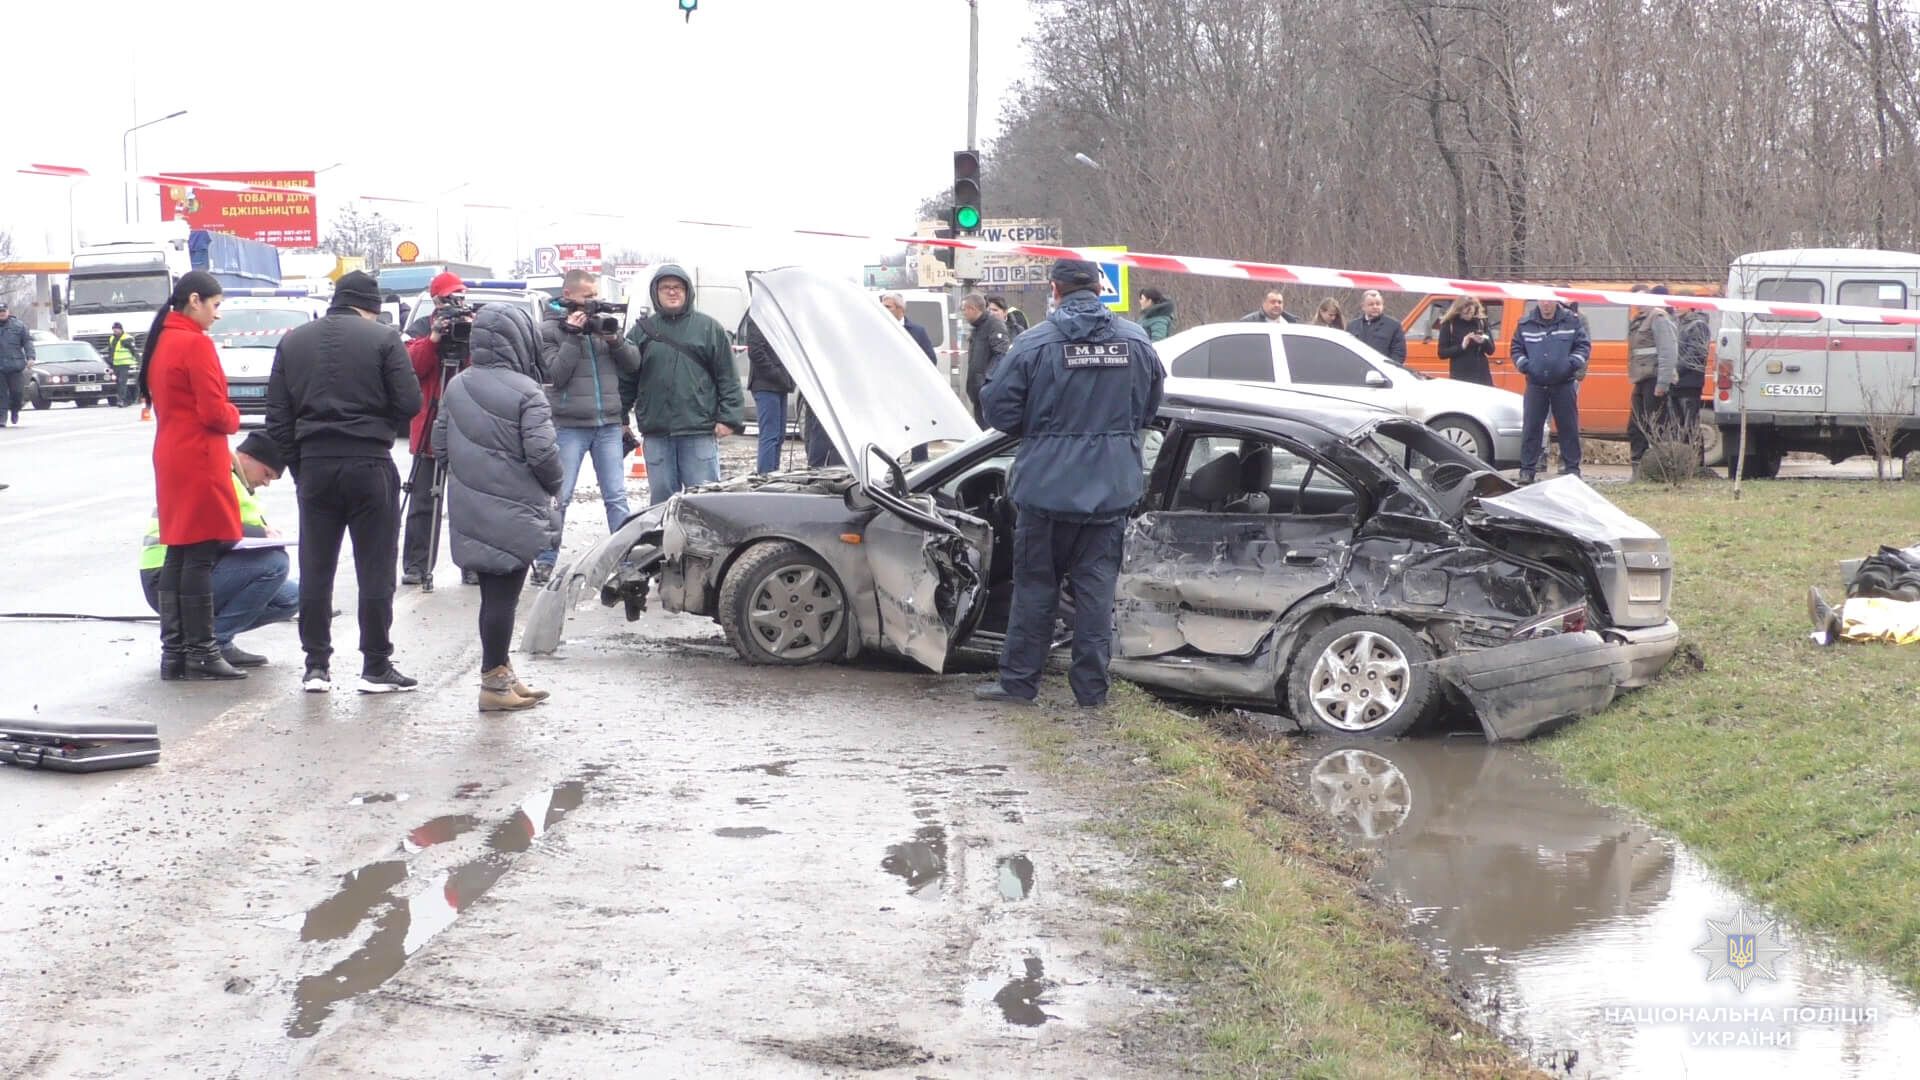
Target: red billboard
x=259 y=212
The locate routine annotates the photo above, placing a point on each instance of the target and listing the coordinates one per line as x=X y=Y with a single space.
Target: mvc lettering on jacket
x=1098 y=356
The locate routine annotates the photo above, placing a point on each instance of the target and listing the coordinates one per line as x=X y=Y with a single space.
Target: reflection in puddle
x=1020 y=999
x=1016 y=877
x=1575 y=930
x=406 y=923
x=922 y=861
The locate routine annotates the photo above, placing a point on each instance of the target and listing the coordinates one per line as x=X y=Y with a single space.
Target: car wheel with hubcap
x=1362 y=675
x=781 y=604
x=1465 y=434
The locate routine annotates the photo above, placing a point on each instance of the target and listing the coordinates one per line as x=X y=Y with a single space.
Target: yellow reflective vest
x=153 y=552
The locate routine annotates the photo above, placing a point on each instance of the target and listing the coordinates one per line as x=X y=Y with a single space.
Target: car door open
x=930 y=566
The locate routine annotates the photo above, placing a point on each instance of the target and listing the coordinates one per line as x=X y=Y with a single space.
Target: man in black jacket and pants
x=341 y=387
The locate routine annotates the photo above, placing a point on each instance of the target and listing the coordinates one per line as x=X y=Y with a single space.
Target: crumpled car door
x=929 y=571
x=1216 y=583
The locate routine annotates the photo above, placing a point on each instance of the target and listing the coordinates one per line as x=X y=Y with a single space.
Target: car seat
x=1211 y=485
x=1256 y=483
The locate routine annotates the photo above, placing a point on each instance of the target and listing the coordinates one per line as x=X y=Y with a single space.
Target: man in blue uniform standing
x=1550 y=348
x=1078 y=389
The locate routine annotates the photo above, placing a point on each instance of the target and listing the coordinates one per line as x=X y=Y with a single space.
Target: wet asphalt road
x=680 y=866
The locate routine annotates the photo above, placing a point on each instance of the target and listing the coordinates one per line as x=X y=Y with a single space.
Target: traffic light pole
x=973 y=71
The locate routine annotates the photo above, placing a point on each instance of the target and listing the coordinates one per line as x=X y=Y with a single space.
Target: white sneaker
x=316 y=681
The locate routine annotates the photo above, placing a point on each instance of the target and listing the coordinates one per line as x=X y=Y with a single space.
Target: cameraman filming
x=586 y=362
x=436 y=359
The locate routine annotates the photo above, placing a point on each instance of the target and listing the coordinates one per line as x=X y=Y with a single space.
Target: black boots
x=203 y=659
x=173 y=656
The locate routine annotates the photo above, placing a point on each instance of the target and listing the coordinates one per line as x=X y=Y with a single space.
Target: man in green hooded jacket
x=687 y=394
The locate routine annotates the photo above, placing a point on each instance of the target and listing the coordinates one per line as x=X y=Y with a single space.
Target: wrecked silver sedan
x=1294 y=554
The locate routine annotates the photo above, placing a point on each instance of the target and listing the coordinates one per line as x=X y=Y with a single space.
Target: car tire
x=1762 y=460
x=782 y=605
x=39 y=400
x=1396 y=666
x=1466 y=434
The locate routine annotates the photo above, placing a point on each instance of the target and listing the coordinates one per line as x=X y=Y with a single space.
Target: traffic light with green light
x=966 y=192
x=688 y=7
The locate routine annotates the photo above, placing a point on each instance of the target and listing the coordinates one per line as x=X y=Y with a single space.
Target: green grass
x=1791 y=769
x=1291 y=972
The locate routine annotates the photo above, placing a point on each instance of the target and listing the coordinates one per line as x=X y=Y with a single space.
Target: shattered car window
x=1446 y=474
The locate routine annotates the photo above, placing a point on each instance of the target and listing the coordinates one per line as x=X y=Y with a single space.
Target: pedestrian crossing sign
x=1113 y=280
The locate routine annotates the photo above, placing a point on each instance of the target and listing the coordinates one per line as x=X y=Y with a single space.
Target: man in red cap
x=417 y=558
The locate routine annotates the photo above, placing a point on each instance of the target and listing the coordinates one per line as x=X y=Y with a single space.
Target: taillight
x=1724 y=383
x=1571 y=621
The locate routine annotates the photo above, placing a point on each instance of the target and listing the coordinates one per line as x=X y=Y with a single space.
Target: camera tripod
x=453 y=356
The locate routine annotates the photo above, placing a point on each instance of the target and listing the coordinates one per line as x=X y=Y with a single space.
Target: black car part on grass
x=1890 y=573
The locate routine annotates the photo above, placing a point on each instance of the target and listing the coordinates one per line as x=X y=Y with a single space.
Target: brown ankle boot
x=526 y=691
x=496 y=692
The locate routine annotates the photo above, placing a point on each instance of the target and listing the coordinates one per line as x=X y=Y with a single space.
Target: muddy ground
x=680 y=865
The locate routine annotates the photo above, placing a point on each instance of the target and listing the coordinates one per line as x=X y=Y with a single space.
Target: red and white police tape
x=1238 y=269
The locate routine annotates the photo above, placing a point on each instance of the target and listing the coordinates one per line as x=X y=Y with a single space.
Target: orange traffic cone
x=638 y=470
x=146 y=412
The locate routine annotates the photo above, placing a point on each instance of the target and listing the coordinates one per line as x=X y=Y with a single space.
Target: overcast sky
x=821 y=113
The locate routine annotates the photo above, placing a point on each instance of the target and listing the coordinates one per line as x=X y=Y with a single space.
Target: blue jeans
x=680 y=461
x=608 y=452
x=772 y=409
x=1086 y=556
x=1563 y=401
x=250 y=590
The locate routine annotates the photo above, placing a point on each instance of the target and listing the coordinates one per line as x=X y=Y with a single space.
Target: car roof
x=1830 y=258
x=1281 y=410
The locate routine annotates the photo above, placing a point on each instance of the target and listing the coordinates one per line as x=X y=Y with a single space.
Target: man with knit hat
x=417 y=557
x=341 y=387
x=250 y=586
x=1078 y=388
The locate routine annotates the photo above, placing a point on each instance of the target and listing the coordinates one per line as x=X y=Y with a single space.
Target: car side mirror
x=1377 y=379
x=896 y=479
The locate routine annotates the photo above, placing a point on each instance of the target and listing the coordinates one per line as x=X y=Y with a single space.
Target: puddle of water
x=746 y=834
x=921 y=861
x=1020 y=1000
x=1585 y=937
x=404 y=924
x=1016 y=877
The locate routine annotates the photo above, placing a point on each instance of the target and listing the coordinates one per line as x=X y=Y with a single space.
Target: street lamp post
x=132 y=207
x=438 y=202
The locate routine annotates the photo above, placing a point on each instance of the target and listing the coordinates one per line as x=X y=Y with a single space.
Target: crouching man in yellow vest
x=250 y=586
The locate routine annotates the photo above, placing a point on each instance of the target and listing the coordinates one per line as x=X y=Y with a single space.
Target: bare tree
x=368 y=236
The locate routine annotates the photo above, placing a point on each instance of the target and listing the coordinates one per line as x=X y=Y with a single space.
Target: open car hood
x=863 y=377
x=1564 y=505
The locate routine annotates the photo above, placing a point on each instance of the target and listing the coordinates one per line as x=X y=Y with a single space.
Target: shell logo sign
x=408 y=251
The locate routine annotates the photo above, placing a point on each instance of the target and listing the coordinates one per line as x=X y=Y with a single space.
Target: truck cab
x=1808 y=383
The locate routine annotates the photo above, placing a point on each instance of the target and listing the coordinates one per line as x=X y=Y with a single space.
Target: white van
x=1812 y=384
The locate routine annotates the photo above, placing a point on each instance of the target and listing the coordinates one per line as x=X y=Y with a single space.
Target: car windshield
x=133 y=292
x=66 y=352
x=1440 y=472
x=255 y=328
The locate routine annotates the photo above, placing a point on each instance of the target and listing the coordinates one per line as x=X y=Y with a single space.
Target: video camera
x=455 y=323
x=601 y=315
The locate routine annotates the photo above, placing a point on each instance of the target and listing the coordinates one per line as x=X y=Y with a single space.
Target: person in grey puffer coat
x=16 y=353
x=495 y=432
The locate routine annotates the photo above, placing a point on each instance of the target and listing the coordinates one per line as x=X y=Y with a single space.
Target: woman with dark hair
x=1156 y=314
x=1465 y=342
x=180 y=378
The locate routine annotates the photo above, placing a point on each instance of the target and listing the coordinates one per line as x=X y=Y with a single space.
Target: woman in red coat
x=180 y=378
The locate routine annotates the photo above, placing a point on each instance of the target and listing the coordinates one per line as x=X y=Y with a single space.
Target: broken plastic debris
x=1230 y=883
